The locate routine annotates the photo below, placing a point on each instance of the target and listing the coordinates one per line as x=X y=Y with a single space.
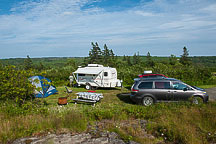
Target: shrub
x=14 y=84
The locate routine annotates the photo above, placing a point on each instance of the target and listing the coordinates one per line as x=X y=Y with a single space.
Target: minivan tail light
x=134 y=90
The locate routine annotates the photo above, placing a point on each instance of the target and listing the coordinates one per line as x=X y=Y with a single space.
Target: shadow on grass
x=100 y=88
x=128 y=87
x=125 y=97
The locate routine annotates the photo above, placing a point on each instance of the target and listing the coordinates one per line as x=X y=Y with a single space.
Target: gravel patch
x=212 y=93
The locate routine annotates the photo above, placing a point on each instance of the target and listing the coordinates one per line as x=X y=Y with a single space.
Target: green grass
x=168 y=122
x=53 y=99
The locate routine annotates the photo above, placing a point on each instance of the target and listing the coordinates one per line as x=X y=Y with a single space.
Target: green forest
x=18 y=105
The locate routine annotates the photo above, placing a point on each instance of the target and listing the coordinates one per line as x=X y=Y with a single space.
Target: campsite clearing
x=168 y=122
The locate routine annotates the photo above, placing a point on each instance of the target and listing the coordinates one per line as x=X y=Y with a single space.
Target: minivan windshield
x=197 y=88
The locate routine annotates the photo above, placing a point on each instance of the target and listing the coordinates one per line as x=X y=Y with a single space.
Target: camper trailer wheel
x=88 y=86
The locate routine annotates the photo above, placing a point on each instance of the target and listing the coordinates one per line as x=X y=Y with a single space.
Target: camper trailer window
x=105 y=73
x=81 y=75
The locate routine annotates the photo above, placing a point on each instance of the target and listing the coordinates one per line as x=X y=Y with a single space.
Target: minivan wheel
x=147 y=101
x=197 y=100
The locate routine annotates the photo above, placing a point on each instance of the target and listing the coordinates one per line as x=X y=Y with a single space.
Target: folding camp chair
x=68 y=91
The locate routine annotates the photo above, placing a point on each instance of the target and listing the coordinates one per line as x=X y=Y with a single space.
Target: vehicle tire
x=147 y=101
x=88 y=87
x=197 y=100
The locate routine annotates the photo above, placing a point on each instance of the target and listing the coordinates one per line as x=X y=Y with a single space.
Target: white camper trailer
x=95 y=75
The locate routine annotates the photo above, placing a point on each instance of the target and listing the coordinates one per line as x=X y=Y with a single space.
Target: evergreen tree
x=113 y=58
x=149 y=61
x=124 y=58
x=184 y=58
x=95 y=54
x=136 y=58
x=112 y=54
x=28 y=64
x=106 y=55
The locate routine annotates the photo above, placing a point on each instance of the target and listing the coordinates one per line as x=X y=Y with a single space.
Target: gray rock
x=132 y=142
x=86 y=138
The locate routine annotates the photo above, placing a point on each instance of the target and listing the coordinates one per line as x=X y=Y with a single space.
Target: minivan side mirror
x=185 y=89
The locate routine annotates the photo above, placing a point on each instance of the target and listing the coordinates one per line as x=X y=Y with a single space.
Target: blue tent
x=43 y=87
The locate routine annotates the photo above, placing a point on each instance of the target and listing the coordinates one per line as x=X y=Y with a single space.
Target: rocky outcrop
x=86 y=138
x=95 y=134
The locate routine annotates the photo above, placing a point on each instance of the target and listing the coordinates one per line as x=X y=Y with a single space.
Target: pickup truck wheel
x=88 y=86
x=147 y=101
x=197 y=100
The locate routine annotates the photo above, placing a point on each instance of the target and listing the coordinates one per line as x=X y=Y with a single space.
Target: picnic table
x=88 y=97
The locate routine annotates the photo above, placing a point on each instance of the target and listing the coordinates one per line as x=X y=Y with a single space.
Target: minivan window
x=145 y=85
x=179 y=86
x=162 y=85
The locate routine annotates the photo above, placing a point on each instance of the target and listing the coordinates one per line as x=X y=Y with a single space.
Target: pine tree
x=149 y=61
x=124 y=58
x=184 y=58
x=95 y=54
x=112 y=54
x=28 y=64
x=106 y=55
x=136 y=58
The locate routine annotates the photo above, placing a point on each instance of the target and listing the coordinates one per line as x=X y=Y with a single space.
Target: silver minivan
x=148 y=91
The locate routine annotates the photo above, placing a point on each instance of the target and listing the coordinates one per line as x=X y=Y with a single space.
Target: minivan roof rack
x=156 y=78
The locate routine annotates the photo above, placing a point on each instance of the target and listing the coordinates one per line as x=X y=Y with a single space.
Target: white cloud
x=210 y=8
x=145 y=13
x=57 y=25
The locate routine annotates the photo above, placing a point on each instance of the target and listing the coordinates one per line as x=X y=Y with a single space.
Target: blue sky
x=48 y=28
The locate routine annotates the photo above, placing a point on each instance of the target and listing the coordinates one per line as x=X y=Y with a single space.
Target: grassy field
x=162 y=122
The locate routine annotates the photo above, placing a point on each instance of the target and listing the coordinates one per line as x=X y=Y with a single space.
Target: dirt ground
x=212 y=93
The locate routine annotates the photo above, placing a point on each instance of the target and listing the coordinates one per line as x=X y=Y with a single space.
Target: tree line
x=107 y=57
